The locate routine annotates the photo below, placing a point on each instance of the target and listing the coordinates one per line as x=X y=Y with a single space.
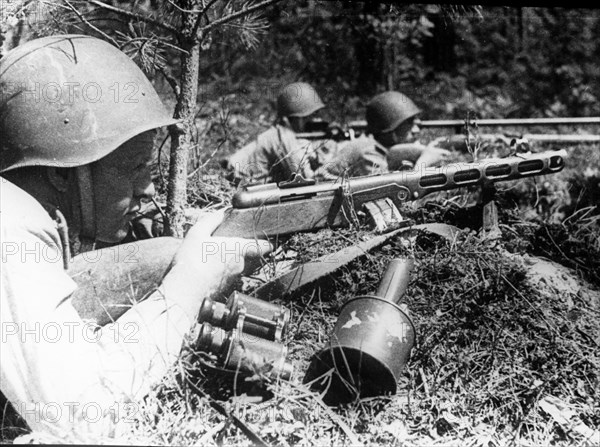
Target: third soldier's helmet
x=388 y=110
x=298 y=99
x=70 y=100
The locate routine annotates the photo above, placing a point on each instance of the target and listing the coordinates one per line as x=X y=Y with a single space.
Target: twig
x=301 y=318
x=133 y=15
x=560 y=251
x=506 y=280
x=224 y=124
x=159 y=208
x=354 y=441
x=255 y=438
x=208 y=6
x=171 y=81
x=424 y=380
x=187 y=11
x=237 y=15
x=95 y=28
x=160 y=172
x=157 y=40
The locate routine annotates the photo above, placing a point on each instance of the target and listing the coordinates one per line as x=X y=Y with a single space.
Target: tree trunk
x=439 y=50
x=369 y=53
x=181 y=134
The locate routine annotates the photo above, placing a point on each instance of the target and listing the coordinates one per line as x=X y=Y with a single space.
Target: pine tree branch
x=133 y=15
x=199 y=19
x=95 y=28
x=171 y=81
x=186 y=11
x=236 y=15
x=208 y=5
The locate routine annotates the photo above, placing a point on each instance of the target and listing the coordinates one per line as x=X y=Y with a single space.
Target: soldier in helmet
x=277 y=153
x=390 y=143
x=77 y=119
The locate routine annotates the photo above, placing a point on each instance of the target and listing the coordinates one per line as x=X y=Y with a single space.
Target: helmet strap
x=86 y=203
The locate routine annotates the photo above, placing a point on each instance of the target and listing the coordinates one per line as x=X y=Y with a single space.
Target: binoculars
x=245 y=334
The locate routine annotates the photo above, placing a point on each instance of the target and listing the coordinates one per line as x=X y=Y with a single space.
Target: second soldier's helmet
x=298 y=99
x=388 y=110
x=70 y=100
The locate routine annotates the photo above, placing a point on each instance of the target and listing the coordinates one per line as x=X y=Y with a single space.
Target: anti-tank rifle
x=269 y=210
x=319 y=130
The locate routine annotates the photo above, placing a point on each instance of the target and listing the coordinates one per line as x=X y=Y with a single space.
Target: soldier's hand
x=233 y=255
x=206 y=266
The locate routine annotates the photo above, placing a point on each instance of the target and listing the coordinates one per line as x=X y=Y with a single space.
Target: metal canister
x=370 y=344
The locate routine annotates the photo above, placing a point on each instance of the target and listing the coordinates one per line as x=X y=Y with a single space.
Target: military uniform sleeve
x=33 y=284
x=356 y=158
x=266 y=157
x=65 y=376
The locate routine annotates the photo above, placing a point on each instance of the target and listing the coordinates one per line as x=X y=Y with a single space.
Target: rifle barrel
x=499 y=122
x=533 y=137
x=317 y=135
x=543 y=138
x=515 y=122
x=419 y=182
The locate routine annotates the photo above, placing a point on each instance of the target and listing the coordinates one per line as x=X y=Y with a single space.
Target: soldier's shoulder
x=18 y=207
x=273 y=133
x=362 y=143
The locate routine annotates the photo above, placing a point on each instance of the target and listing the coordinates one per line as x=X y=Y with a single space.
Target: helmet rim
x=298 y=99
x=387 y=110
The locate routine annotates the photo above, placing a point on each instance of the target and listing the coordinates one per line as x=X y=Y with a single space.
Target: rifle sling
x=312 y=271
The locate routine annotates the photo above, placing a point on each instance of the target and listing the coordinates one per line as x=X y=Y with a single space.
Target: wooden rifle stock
x=269 y=210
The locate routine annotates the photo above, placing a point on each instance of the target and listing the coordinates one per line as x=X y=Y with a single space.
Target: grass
x=503 y=356
x=501 y=353
x=492 y=348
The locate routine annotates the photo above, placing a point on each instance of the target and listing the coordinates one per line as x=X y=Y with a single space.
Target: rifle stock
x=270 y=210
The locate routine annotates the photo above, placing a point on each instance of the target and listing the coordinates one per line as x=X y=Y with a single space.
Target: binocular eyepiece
x=238 y=351
x=245 y=334
x=246 y=314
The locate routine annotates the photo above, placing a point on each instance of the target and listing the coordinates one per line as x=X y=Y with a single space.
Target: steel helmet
x=70 y=100
x=388 y=110
x=298 y=99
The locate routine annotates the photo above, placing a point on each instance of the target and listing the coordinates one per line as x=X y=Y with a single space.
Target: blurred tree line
x=508 y=61
x=497 y=61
